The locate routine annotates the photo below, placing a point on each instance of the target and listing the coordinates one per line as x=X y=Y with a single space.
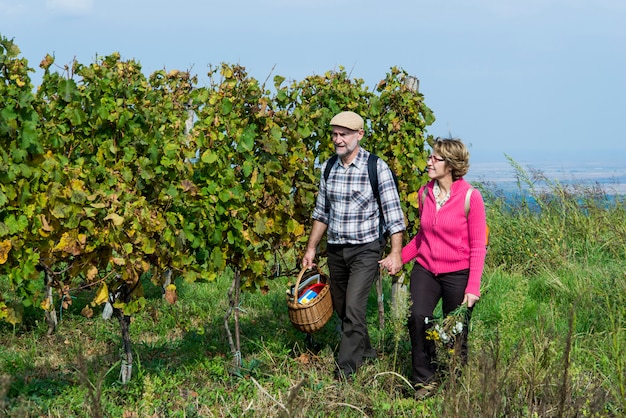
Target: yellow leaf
x=45 y=304
x=299 y=230
x=412 y=197
x=170 y=294
x=5 y=247
x=3 y=310
x=82 y=239
x=92 y=272
x=87 y=312
x=44 y=224
x=77 y=184
x=102 y=295
x=118 y=260
x=254 y=177
x=294 y=159
x=71 y=245
x=115 y=218
x=12 y=316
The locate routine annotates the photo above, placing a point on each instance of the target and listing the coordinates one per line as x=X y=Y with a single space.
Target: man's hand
x=392 y=263
x=316 y=236
x=308 y=259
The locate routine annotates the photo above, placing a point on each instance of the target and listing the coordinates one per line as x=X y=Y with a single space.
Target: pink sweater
x=447 y=241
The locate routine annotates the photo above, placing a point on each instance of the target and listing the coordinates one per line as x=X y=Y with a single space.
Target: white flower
x=426 y=320
x=458 y=328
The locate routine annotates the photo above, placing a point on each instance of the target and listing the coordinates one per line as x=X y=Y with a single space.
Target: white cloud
x=70 y=7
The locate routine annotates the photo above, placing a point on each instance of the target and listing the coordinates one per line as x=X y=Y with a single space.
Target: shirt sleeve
x=319 y=212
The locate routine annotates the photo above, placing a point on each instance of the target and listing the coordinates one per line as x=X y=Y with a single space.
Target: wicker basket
x=311 y=316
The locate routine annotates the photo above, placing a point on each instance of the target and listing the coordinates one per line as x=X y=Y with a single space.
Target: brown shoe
x=342 y=376
x=423 y=391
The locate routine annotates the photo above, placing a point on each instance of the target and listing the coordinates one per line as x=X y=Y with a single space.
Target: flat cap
x=348 y=120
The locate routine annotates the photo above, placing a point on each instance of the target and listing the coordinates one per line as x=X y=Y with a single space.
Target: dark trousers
x=353 y=269
x=426 y=290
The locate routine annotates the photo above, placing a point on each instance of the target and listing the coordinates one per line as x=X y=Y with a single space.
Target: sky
x=535 y=80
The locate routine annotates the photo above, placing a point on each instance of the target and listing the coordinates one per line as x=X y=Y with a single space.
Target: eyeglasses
x=435 y=158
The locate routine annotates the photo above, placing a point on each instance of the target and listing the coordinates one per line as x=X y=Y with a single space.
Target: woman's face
x=437 y=167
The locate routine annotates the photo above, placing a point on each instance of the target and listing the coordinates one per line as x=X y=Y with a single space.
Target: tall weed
x=547 y=224
x=547 y=338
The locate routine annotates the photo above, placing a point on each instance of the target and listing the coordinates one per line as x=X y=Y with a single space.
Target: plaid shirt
x=353 y=216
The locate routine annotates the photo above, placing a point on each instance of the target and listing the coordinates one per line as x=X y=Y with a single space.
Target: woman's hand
x=392 y=263
x=470 y=299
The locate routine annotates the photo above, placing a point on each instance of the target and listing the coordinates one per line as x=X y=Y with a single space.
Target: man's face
x=346 y=142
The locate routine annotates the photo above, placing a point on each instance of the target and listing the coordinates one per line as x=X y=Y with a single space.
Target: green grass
x=548 y=339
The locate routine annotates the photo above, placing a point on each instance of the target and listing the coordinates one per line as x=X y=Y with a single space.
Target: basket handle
x=295 y=289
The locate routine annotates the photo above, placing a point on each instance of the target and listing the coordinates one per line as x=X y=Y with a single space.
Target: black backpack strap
x=372 y=171
x=329 y=166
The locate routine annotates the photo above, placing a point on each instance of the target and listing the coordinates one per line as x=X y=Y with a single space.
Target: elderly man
x=349 y=212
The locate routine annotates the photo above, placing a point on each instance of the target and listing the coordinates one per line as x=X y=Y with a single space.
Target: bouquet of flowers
x=443 y=334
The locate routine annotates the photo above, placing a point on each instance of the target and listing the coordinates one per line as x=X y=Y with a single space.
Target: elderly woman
x=449 y=253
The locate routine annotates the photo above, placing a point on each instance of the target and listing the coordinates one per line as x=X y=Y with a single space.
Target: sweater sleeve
x=477 y=225
x=409 y=251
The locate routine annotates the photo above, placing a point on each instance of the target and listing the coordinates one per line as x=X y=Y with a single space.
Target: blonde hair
x=455 y=154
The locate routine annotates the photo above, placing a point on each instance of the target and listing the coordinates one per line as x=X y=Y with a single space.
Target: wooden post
x=50 y=313
x=398 y=287
x=233 y=308
x=412 y=83
x=381 y=304
x=126 y=370
x=398 y=293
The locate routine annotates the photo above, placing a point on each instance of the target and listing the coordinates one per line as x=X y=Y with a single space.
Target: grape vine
x=104 y=181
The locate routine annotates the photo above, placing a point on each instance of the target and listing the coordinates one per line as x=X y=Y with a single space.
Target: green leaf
x=246 y=140
x=225 y=195
x=67 y=88
x=171 y=150
x=247 y=168
x=60 y=210
x=19 y=155
x=7 y=114
x=148 y=246
x=375 y=106
x=76 y=116
x=209 y=157
x=217 y=258
x=227 y=106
